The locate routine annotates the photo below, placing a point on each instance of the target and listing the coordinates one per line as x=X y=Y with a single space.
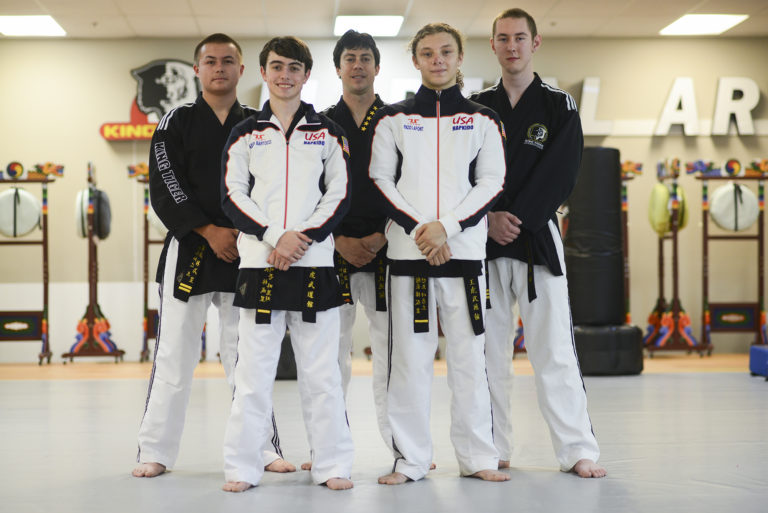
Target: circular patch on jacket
x=536 y=135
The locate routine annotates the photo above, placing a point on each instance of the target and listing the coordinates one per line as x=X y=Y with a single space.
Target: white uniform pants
x=551 y=351
x=315 y=346
x=363 y=289
x=410 y=379
x=177 y=351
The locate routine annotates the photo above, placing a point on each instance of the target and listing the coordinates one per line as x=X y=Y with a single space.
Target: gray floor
x=671 y=443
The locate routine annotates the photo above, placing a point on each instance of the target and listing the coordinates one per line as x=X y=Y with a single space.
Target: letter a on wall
x=680 y=109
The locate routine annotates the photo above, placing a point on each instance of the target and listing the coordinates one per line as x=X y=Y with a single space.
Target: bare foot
x=306 y=466
x=395 y=478
x=236 y=486
x=503 y=464
x=338 y=483
x=491 y=475
x=432 y=466
x=588 y=468
x=280 y=466
x=148 y=470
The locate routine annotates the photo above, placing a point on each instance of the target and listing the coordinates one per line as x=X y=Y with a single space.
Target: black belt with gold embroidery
x=342 y=270
x=487 y=285
x=472 y=289
x=266 y=291
x=380 y=277
x=420 y=304
x=309 y=307
x=185 y=282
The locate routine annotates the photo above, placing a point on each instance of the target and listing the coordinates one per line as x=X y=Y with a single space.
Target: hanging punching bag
x=593 y=241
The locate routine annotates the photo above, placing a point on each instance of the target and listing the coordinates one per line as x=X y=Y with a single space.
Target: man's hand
x=355 y=251
x=375 y=241
x=430 y=237
x=442 y=256
x=223 y=241
x=503 y=227
x=292 y=245
x=277 y=261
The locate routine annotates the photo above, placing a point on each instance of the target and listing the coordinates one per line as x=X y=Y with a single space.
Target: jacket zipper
x=438 y=154
x=285 y=213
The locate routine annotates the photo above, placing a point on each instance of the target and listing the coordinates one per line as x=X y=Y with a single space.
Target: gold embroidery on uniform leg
x=309 y=311
x=473 y=304
x=342 y=270
x=380 y=275
x=188 y=278
x=266 y=291
x=420 y=305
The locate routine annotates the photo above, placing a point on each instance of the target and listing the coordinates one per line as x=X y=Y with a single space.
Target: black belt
x=379 y=275
x=266 y=290
x=185 y=282
x=421 y=304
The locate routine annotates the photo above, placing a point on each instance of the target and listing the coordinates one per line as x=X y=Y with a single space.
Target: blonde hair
x=436 y=28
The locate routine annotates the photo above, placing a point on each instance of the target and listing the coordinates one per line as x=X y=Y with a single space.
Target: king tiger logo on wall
x=161 y=85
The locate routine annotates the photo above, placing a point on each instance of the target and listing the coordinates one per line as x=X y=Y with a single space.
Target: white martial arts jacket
x=272 y=184
x=438 y=156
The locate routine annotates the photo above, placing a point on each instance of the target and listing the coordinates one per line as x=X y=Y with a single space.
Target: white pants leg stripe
x=411 y=373
x=551 y=351
x=177 y=352
x=319 y=380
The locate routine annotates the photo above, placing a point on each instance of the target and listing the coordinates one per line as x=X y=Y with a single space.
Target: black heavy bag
x=593 y=241
x=609 y=350
x=286 y=365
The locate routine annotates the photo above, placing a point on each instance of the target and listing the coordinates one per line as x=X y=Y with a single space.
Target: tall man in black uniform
x=525 y=252
x=360 y=243
x=199 y=262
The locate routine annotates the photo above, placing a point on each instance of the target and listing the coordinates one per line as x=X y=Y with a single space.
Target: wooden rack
x=733 y=317
x=31 y=324
x=669 y=324
x=94 y=337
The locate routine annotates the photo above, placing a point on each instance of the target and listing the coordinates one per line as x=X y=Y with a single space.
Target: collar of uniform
x=305 y=109
x=342 y=108
x=236 y=107
x=425 y=94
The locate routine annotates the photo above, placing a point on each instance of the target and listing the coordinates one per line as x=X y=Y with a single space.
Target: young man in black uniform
x=525 y=252
x=360 y=243
x=199 y=262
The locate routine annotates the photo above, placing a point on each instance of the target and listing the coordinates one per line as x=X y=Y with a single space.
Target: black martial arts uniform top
x=367 y=213
x=184 y=185
x=544 y=145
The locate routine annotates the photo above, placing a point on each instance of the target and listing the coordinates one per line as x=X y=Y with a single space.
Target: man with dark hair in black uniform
x=199 y=263
x=525 y=252
x=360 y=243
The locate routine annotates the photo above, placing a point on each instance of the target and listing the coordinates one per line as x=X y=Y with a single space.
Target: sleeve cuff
x=272 y=234
x=450 y=225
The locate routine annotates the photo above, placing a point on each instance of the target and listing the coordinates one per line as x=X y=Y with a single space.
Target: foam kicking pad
x=609 y=350
x=19 y=212
x=102 y=215
x=660 y=209
x=734 y=207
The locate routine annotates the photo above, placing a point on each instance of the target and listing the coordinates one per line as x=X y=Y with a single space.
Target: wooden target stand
x=669 y=325
x=93 y=336
x=151 y=315
x=741 y=317
x=31 y=324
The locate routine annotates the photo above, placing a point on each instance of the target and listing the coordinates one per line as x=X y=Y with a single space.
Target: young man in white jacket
x=284 y=187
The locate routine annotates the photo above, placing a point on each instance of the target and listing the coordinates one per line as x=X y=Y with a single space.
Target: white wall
x=60 y=92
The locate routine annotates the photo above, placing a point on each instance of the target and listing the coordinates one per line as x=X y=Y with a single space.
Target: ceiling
x=314 y=19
